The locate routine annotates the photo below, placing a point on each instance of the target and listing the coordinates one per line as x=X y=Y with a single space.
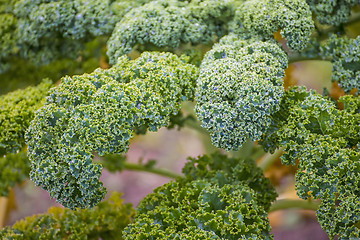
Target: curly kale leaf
x=206 y=209
x=265 y=17
x=105 y=221
x=218 y=204
x=121 y=7
x=53 y=29
x=73 y=19
x=239 y=87
x=59 y=68
x=341 y=217
x=17 y=109
x=325 y=141
x=225 y=170
x=332 y=12
x=14 y=169
x=46 y=30
x=169 y=23
x=8 y=38
x=344 y=53
x=99 y=112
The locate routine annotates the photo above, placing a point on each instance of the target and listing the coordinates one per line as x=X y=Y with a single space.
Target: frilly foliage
x=200 y=210
x=265 y=17
x=105 y=221
x=99 y=112
x=325 y=140
x=239 y=86
x=8 y=39
x=332 y=12
x=341 y=217
x=169 y=23
x=88 y=61
x=219 y=198
x=344 y=53
x=230 y=170
x=17 y=109
x=239 y=94
x=78 y=19
x=15 y=168
x=45 y=30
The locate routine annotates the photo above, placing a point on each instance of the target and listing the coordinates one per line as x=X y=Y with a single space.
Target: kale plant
x=227 y=59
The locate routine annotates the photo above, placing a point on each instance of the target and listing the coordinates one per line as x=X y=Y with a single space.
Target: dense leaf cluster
x=230 y=170
x=344 y=53
x=169 y=23
x=219 y=198
x=105 y=221
x=17 y=109
x=239 y=86
x=265 y=17
x=240 y=82
x=99 y=112
x=88 y=61
x=45 y=30
x=8 y=38
x=239 y=94
x=332 y=12
x=325 y=142
x=15 y=168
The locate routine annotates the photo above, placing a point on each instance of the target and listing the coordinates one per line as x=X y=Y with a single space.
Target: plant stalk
x=3 y=208
x=268 y=159
x=196 y=126
x=204 y=135
x=293 y=59
x=159 y=171
x=294 y=203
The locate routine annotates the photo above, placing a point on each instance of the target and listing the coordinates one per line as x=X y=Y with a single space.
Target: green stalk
x=296 y=58
x=323 y=33
x=293 y=203
x=268 y=159
x=204 y=135
x=193 y=124
x=352 y=19
x=159 y=171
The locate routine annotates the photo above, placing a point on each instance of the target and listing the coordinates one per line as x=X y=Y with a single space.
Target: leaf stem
x=159 y=171
x=294 y=203
x=3 y=208
x=269 y=158
x=297 y=58
x=193 y=124
x=352 y=19
x=204 y=135
x=324 y=34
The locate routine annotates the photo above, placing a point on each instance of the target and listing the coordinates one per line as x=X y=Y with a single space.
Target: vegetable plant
x=81 y=78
